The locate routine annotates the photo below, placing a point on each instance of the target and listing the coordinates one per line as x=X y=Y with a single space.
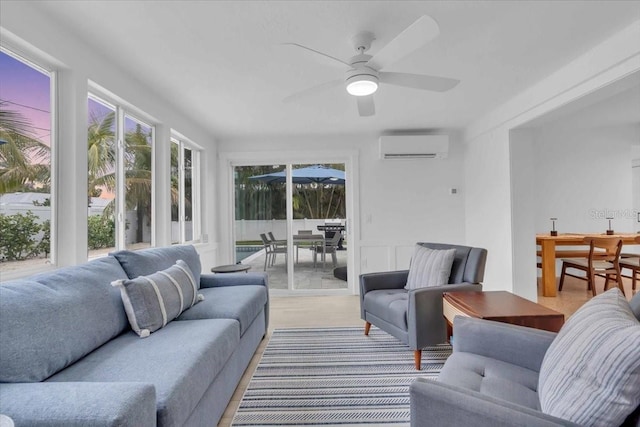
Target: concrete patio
x=305 y=275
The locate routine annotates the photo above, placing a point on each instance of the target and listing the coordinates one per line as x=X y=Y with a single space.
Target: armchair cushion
x=492 y=377
x=389 y=304
x=430 y=267
x=591 y=371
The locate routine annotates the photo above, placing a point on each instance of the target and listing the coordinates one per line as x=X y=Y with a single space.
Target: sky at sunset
x=26 y=90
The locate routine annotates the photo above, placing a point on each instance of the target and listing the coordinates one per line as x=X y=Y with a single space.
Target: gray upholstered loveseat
x=68 y=356
x=494 y=377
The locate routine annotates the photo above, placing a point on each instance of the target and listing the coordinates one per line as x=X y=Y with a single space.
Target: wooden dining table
x=548 y=253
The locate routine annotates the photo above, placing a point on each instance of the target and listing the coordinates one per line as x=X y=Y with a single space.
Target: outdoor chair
x=330 y=247
x=415 y=316
x=602 y=261
x=271 y=249
x=298 y=244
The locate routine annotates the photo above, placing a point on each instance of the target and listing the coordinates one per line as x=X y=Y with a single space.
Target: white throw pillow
x=430 y=267
x=591 y=372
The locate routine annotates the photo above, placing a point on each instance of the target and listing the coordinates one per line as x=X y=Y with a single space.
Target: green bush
x=18 y=236
x=44 y=247
x=102 y=232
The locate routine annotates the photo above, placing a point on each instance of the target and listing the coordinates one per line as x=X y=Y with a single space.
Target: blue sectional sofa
x=68 y=355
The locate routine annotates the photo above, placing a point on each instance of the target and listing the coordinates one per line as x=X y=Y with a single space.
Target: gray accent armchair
x=415 y=317
x=491 y=379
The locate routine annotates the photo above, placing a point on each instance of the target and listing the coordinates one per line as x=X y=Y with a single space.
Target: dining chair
x=631 y=261
x=271 y=249
x=602 y=261
x=299 y=243
x=277 y=247
x=330 y=247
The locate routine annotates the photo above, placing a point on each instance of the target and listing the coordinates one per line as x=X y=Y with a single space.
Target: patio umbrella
x=311 y=174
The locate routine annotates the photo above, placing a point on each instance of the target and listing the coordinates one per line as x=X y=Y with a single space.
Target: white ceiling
x=222 y=62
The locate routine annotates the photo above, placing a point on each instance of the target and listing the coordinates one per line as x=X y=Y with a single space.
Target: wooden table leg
x=548 y=248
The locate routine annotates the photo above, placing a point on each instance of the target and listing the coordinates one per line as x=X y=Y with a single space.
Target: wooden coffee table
x=500 y=306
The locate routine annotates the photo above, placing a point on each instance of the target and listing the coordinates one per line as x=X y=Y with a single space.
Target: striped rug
x=334 y=376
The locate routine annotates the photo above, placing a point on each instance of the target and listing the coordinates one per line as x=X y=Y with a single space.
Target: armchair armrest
x=383 y=280
x=233 y=279
x=527 y=346
x=425 y=308
x=77 y=404
x=441 y=404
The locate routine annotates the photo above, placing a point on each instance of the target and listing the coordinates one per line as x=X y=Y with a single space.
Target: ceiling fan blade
x=313 y=90
x=418 y=81
x=413 y=37
x=366 y=107
x=334 y=59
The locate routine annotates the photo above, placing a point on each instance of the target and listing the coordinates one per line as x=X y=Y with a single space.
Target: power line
x=25 y=106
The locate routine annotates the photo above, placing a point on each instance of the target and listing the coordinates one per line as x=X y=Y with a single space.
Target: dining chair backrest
x=265 y=239
x=335 y=240
x=271 y=236
x=605 y=248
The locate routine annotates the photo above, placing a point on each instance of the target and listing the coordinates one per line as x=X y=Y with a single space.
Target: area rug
x=334 y=376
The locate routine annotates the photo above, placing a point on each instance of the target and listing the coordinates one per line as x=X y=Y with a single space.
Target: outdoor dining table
x=313 y=239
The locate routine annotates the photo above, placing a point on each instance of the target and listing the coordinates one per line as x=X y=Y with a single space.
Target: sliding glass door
x=290 y=222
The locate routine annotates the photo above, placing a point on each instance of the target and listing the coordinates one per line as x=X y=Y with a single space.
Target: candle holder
x=553 y=232
x=609 y=230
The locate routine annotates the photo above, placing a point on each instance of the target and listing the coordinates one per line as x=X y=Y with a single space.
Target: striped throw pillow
x=591 y=372
x=430 y=267
x=153 y=301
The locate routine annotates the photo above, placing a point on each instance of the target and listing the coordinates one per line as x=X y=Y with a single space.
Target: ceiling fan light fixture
x=362 y=85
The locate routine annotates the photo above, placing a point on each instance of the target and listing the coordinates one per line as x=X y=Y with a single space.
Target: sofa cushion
x=242 y=303
x=153 y=301
x=51 y=320
x=181 y=360
x=429 y=267
x=388 y=304
x=591 y=371
x=148 y=261
x=492 y=377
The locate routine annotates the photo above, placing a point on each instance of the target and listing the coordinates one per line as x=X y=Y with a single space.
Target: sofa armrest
x=71 y=404
x=425 y=308
x=527 y=346
x=436 y=403
x=233 y=279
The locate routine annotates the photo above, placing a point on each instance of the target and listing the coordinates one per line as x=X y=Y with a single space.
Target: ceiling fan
x=365 y=72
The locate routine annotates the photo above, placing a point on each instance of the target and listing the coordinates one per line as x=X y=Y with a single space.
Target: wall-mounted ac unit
x=414 y=146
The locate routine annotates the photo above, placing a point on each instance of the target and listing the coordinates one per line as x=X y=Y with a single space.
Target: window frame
x=41 y=64
x=183 y=144
x=124 y=111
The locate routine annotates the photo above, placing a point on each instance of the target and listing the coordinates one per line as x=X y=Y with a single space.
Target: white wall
x=490 y=205
x=583 y=175
x=635 y=186
x=36 y=36
x=397 y=202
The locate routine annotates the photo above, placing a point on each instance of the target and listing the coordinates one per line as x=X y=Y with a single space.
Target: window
x=25 y=163
x=185 y=191
x=120 y=178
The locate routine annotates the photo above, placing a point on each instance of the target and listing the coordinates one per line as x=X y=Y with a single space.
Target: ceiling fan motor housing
x=361 y=80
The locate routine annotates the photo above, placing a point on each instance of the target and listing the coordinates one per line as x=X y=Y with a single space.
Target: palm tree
x=101 y=155
x=138 y=177
x=24 y=160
